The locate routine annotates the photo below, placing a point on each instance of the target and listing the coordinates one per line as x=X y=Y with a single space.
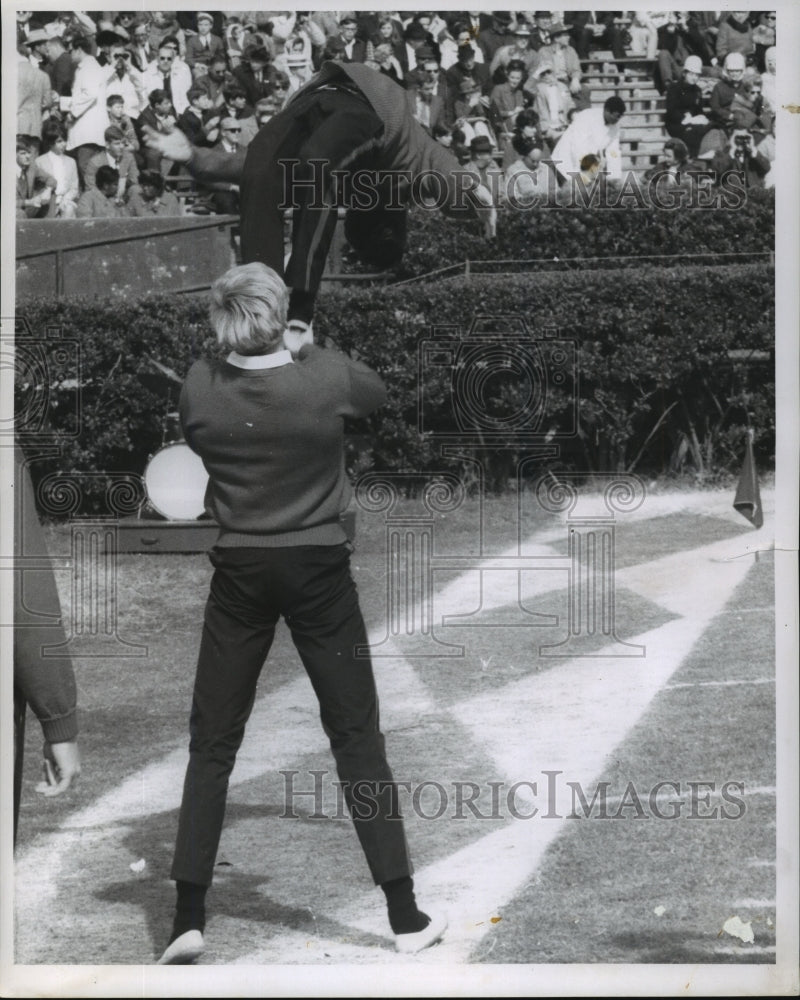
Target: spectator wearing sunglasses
x=224 y=196
x=171 y=75
x=126 y=82
x=764 y=38
x=215 y=80
x=266 y=109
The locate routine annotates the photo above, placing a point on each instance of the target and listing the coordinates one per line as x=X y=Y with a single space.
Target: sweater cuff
x=61 y=730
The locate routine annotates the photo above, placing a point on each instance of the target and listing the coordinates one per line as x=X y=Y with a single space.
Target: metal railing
x=229 y=222
x=499 y=268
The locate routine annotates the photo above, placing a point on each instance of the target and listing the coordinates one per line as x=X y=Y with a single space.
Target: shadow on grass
x=239 y=895
x=672 y=948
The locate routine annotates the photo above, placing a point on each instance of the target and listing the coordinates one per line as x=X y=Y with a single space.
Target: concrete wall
x=121 y=257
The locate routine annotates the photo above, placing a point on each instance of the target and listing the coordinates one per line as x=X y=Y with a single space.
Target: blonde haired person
x=269 y=427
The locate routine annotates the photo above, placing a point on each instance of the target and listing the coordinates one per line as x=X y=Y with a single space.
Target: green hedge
x=657 y=388
x=563 y=233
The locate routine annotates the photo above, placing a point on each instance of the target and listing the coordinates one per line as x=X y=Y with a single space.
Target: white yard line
x=695 y=684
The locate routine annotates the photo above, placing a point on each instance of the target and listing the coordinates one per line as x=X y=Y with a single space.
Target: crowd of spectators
x=507 y=92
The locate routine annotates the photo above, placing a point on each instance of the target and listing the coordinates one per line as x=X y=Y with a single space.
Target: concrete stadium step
x=644 y=119
x=600 y=56
x=654 y=147
x=633 y=102
x=625 y=89
x=617 y=67
x=639 y=164
x=634 y=133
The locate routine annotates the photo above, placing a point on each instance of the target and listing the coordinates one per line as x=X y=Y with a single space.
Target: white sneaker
x=183 y=950
x=409 y=944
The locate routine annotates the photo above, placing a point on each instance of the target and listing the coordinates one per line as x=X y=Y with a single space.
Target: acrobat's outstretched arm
x=206 y=164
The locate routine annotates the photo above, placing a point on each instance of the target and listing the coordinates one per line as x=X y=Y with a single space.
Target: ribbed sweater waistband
x=321 y=534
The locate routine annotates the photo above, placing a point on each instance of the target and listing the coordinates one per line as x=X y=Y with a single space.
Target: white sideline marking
x=754 y=904
x=693 y=684
x=743 y=949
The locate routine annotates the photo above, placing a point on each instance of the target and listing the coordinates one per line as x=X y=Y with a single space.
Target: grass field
x=526 y=878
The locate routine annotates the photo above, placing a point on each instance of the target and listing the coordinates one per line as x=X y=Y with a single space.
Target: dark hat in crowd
x=467 y=86
x=416 y=32
x=541 y=13
x=524 y=144
x=502 y=16
x=522 y=28
x=465 y=52
x=257 y=53
x=334 y=46
x=558 y=28
x=480 y=144
x=107 y=37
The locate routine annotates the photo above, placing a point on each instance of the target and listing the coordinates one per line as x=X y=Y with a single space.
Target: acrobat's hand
x=62 y=765
x=174 y=145
x=297 y=334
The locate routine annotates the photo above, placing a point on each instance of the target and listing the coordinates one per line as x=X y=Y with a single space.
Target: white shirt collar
x=257 y=361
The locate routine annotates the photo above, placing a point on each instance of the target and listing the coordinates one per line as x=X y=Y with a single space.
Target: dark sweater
x=272 y=441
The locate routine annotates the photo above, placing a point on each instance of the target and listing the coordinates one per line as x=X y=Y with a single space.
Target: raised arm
x=205 y=164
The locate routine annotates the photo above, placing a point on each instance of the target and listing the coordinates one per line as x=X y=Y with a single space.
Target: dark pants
x=312 y=588
x=82 y=155
x=585 y=39
x=332 y=127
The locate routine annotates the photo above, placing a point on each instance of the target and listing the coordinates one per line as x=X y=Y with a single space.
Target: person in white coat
x=170 y=74
x=61 y=167
x=88 y=105
x=594 y=131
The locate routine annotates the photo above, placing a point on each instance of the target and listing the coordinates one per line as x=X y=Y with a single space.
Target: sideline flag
x=748 y=496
